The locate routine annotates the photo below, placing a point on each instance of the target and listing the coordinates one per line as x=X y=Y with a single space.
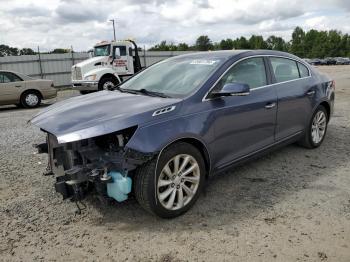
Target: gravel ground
x=291 y=205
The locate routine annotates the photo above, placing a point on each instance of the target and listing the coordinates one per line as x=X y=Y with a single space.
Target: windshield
x=102 y=50
x=175 y=77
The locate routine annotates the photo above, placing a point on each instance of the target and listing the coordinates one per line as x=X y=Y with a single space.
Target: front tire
x=316 y=130
x=170 y=187
x=30 y=99
x=107 y=83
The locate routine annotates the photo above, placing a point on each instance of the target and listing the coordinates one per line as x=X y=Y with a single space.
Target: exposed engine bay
x=99 y=165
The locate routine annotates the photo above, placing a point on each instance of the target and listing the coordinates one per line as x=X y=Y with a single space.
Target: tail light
x=332 y=84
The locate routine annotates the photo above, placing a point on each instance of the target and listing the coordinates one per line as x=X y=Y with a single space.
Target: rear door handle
x=310 y=93
x=18 y=86
x=270 y=105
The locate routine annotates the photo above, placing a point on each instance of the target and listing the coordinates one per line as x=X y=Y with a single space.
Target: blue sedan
x=162 y=133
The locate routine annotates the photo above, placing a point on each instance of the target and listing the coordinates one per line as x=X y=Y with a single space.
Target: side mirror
x=232 y=89
x=91 y=53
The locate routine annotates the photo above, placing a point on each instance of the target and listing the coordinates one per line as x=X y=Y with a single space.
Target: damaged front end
x=101 y=165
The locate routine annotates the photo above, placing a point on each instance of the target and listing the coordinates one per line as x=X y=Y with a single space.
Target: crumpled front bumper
x=83 y=85
x=82 y=166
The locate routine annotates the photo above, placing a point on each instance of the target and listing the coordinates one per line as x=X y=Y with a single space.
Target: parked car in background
x=22 y=90
x=342 y=60
x=330 y=61
x=315 y=61
x=166 y=129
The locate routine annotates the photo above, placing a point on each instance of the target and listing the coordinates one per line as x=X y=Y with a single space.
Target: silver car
x=22 y=90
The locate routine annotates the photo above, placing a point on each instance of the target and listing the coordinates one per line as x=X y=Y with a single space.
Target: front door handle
x=311 y=93
x=270 y=105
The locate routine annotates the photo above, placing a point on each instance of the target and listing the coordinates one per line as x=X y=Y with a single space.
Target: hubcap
x=178 y=182
x=32 y=99
x=108 y=85
x=318 y=127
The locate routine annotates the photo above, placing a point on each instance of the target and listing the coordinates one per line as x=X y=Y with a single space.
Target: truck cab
x=112 y=62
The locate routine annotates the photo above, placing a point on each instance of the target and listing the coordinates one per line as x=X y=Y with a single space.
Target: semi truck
x=111 y=63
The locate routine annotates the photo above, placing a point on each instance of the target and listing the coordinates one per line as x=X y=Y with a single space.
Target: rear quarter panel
x=324 y=91
x=43 y=86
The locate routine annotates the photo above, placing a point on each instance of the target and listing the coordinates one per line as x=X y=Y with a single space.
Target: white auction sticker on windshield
x=203 y=62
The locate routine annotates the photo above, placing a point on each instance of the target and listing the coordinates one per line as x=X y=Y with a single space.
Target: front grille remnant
x=76 y=73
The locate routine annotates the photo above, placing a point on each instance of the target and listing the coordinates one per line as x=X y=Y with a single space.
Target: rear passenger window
x=250 y=71
x=304 y=72
x=5 y=78
x=284 y=69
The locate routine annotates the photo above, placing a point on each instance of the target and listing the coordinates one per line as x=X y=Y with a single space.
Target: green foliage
x=257 y=42
x=182 y=47
x=60 y=51
x=310 y=44
x=227 y=44
x=276 y=43
x=6 y=50
x=26 y=51
x=203 y=43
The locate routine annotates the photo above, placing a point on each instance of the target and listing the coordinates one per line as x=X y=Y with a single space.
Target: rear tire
x=316 y=130
x=107 y=83
x=30 y=99
x=165 y=188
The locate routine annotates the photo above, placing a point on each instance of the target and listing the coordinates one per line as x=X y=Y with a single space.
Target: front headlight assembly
x=90 y=78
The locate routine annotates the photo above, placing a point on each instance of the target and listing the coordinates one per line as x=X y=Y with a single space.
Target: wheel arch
x=327 y=106
x=197 y=144
x=33 y=91
x=110 y=75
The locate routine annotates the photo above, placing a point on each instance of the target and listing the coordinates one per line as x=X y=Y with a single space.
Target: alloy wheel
x=318 y=127
x=178 y=182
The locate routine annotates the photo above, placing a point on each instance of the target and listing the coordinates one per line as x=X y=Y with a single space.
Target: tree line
x=6 y=50
x=310 y=44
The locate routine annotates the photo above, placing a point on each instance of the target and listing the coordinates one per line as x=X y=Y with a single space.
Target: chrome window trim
x=205 y=98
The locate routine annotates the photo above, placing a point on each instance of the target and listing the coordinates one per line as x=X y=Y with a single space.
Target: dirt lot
x=291 y=205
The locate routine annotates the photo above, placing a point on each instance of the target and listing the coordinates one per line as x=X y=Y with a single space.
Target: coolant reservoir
x=120 y=186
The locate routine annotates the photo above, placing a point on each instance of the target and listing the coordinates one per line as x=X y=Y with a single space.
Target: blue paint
x=120 y=187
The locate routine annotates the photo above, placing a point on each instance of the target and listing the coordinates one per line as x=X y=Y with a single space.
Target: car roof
x=9 y=71
x=23 y=76
x=227 y=54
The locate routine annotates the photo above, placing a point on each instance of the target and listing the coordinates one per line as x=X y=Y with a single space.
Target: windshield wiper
x=152 y=93
x=144 y=91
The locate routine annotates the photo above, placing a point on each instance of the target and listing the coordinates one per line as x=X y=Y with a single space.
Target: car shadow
x=243 y=192
x=9 y=108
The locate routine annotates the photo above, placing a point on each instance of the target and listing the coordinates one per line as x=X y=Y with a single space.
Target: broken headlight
x=116 y=140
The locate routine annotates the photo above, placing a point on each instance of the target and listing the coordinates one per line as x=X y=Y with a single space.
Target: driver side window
x=250 y=71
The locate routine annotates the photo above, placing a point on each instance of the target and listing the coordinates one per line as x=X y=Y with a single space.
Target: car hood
x=92 y=61
x=99 y=113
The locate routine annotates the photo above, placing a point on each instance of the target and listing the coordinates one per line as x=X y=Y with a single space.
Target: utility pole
x=112 y=20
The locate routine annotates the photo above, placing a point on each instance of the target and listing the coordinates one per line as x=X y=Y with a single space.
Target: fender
x=101 y=71
x=155 y=137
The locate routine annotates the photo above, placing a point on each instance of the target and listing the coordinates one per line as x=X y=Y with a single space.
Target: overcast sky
x=62 y=23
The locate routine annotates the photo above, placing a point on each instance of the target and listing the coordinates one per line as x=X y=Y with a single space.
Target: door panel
x=294 y=104
x=10 y=88
x=123 y=65
x=243 y=124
